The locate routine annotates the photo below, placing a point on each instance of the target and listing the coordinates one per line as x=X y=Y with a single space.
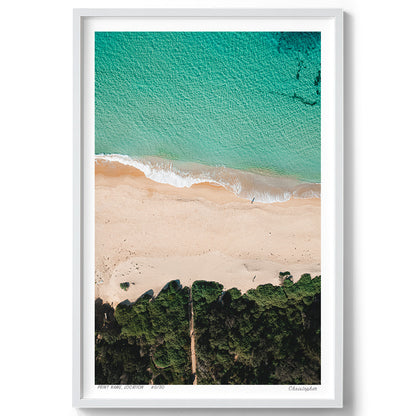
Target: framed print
x=208 y=208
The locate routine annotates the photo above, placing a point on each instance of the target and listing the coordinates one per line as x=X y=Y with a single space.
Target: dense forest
x=144 y=342
x=269 y=335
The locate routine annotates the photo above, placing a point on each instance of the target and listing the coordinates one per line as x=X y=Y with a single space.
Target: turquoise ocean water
x=240 y=109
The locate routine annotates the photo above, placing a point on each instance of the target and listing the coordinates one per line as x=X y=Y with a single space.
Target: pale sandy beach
x=148 y=234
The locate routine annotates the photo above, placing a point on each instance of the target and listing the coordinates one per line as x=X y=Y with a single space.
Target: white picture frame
x=332 y=19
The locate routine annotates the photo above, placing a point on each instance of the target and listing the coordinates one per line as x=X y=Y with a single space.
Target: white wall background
x=36 y=205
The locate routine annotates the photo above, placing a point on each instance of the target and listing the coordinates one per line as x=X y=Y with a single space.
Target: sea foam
x=248 y=185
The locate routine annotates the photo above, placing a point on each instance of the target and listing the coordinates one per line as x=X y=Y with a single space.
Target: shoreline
x=263 y=186
x=149 y=233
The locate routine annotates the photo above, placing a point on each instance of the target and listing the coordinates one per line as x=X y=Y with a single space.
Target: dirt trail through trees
x=192 y=334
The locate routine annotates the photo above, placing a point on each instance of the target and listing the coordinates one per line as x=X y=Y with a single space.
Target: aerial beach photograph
x=207 y=208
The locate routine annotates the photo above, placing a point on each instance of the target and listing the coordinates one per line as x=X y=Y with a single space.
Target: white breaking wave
x=248 y=185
